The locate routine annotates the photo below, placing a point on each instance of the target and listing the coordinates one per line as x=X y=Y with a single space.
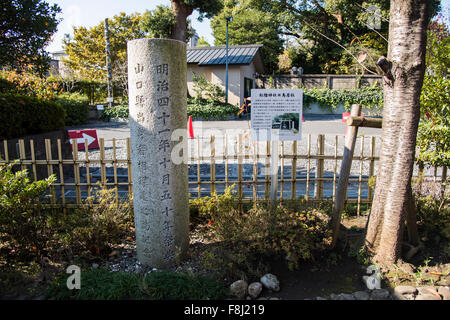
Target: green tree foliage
x=202 y=42
x=86 y=52
x=330 y=36
x=250 y=26
x=433 y=138
x=26 y=28
x=159 y=23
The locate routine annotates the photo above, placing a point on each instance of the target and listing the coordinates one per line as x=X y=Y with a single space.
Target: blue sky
x=89 y=13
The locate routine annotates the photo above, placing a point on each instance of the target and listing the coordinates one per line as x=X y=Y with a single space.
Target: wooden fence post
x=320 y=166
x=341 y=192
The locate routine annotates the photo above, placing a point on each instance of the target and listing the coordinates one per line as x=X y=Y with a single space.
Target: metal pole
x=226 y=67
x=108 y=63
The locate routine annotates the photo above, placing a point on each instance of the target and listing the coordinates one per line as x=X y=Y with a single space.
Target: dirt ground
x=338 y=273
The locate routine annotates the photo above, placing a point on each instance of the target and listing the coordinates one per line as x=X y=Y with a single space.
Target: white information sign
x=276 y=114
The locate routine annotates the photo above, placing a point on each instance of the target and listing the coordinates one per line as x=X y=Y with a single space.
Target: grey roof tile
x=242 y=54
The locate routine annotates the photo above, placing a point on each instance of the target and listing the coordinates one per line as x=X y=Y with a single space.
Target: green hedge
x=76 y=106
x=210 y=110
x=119 y=111
x=329 y=99
x=22 y=115
x=205 y=110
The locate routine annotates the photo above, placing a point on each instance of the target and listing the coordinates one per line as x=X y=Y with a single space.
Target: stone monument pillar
x=157 y=100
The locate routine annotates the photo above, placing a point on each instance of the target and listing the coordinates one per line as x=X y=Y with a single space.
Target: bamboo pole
x=5 y=145
x=33 y=159
x=199 y=187
x=372 y=165
x=240 y=167
x=320 y=167
x=255 y=173
x=116 y=189
x=335 y=166
x=22 y=155
x=76 y=170
x=364 y=122
x=361 y=162
x=88 y=175
x=294 y=171
x=212 y=163
x=282 y=171
x=267 y=172
x=341 y=193
x=274 y=173
x=308 y=167
x=102 y=163
x=130 y=181
x=240 y=172
x=48 y=156
x=61 y=172
x=225 y=154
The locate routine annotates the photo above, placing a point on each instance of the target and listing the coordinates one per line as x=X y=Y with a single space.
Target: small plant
x=107 y=221
x=247 y=240
x=23 y=222
x=206 y=90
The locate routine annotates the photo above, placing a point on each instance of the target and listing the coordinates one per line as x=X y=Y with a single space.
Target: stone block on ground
x=270 y=282
x=254 y=289
x=239 y=289
x=380 y=294
x=361 y=295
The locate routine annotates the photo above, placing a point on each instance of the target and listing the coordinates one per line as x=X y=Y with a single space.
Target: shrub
x=119 y=111
x=210 y=110
x=22 y=219
x=106 y=221
x=248 y=239
x=22 y=115
x=76 y=107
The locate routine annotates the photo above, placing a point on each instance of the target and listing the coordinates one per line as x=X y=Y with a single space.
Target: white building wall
x=216 y=75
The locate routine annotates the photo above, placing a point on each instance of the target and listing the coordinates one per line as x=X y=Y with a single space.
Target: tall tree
x=333 y=35
x=330 y=33
x=26 y=27
x=86 y=51
x=160 y=22
x=403 y=71
x=250 y=26
x=182 y=9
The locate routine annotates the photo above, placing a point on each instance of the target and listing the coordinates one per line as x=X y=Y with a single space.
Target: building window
x=248 y=85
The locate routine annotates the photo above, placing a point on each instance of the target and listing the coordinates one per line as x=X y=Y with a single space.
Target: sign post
x=276 y=116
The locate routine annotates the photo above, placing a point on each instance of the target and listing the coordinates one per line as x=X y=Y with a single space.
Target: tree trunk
x=181 y=12
x=403 y=77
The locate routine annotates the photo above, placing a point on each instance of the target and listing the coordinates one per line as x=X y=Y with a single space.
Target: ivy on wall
x=330 y=99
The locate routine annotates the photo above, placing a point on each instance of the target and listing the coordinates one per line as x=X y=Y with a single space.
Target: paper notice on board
x=276 y=114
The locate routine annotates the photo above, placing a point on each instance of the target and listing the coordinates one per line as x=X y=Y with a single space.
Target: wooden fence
x=307 y=169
